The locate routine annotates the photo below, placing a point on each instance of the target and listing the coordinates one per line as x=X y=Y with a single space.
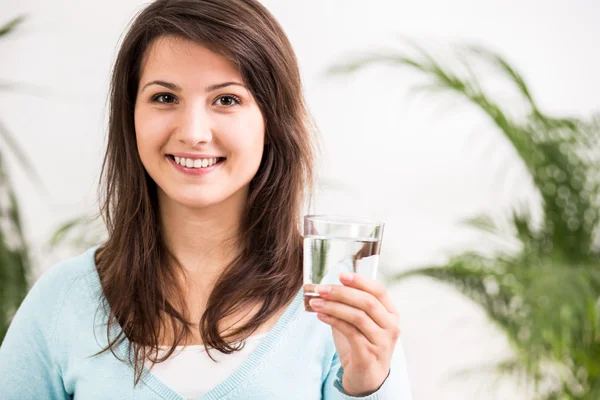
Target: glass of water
x=334 y=244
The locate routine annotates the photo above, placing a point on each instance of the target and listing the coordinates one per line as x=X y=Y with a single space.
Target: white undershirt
x=191 y=372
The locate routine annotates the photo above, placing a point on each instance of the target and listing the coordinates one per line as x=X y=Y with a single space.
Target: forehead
x=183 y=59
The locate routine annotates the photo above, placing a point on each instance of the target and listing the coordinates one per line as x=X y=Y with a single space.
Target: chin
x=203 y=196
x=198 y=201
x=190 y=199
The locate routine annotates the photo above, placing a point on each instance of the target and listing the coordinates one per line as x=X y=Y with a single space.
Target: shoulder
x=50 y=292
x=32 y=355
x=57 y=280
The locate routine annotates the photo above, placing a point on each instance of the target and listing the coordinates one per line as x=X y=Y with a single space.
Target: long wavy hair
x=142 y=294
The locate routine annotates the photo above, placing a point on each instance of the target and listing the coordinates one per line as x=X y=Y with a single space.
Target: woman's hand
x=365 y=327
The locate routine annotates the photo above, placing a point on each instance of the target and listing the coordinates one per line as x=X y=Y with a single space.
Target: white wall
x=426 y=169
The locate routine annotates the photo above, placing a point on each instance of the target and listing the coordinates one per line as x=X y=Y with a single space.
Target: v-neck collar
x=239 y=375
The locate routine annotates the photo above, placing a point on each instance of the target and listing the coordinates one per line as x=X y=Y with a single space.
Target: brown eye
x=229 y=100
x=164 y=98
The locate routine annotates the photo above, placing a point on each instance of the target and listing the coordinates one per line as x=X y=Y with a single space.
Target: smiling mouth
x=219 y=160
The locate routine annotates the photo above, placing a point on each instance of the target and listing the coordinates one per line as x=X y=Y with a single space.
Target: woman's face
x=199 y=132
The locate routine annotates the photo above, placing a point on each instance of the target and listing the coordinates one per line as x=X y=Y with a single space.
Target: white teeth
x=199 y=163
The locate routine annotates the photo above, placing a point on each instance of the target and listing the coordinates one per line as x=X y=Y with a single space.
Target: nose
x=195 y=127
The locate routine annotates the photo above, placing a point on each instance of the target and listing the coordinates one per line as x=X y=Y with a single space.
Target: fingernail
x=325 y=289
x=316 y=303
x=347 y=276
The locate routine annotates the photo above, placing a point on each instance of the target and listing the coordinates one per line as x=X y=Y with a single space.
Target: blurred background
x=470 y=127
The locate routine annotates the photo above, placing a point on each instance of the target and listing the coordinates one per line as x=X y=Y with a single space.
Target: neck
x=204 y=241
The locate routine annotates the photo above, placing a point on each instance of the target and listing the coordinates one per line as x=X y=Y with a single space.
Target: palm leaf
x=14 y=260
x=544 y=294
x=78 y=234
x=21 y=157
x=11 y=25
x=14 y=254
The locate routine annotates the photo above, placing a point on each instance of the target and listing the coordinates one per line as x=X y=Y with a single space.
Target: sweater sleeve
x=28 y=369
x=395 y=387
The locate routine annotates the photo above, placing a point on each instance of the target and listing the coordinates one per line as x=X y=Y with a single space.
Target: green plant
x=14 y=255
x=78 y=234
x=545 y=294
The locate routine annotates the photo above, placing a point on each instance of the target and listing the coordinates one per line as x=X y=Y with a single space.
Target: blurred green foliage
x=543 y=293
x=14 y=255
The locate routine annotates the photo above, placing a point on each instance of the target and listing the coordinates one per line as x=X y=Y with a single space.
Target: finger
x=371 y=286
x=346 y=329
x=359 y=299
x=354 y=316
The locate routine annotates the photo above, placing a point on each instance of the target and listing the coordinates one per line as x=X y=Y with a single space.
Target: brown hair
x=136 y=269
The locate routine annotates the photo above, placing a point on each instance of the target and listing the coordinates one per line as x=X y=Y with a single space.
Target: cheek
x=150 y=130
x=249 y=140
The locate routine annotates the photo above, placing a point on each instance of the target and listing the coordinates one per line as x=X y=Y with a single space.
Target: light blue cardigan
x=46 y=353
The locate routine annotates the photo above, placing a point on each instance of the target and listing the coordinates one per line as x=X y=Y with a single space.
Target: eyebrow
x=176 y=87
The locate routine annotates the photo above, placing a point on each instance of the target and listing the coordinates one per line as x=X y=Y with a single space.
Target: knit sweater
x=47 y=352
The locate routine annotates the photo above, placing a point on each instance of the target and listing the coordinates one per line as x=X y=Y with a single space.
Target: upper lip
x=194 y=156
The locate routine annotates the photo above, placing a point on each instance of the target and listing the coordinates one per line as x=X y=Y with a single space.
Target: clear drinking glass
x=334 y=244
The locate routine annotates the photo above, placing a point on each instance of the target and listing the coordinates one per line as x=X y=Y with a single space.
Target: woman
x=197 y=291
